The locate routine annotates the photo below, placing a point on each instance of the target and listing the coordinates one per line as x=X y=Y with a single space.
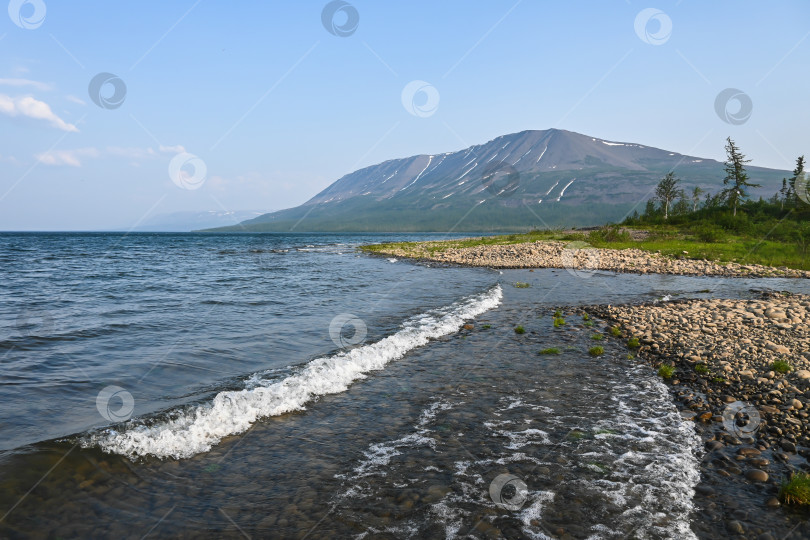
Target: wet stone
x=756 y=475
x=735 y=527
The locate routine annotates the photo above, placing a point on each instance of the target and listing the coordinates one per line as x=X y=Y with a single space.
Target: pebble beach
x=579 y=255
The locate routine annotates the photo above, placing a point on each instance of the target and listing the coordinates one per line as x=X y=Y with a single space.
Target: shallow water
x=412 y=445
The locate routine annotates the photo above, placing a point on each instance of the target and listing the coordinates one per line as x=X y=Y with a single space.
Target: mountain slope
x=517 y=181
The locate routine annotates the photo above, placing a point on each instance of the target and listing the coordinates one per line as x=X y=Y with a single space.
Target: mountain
x=189 y=221
x=519 y=181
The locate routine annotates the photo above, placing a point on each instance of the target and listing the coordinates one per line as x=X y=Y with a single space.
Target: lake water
x=190 y=385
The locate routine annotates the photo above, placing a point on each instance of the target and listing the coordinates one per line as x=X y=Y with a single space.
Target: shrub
x=487 y=326
x=703 y=369
x=666 y=371
x=633 y=343
x=597 y=337
x=608 y=233
x=780 y=366
x=558 y=322
x=596 y=350
x=586 y=317
x=558 y=313
x=615 y=331
x=588 y=324
x=522 y=285
x=708 y=233
x=520 y=330
x=796 y=490
x=550 y=350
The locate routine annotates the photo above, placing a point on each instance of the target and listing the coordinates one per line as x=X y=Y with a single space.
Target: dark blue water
x=177 y=318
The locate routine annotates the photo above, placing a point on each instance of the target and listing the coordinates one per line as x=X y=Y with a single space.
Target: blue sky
x=271 y=107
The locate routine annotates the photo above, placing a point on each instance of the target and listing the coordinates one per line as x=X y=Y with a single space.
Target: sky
x=114 y=112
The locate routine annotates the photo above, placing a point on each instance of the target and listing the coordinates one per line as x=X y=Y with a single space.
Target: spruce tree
x=800 y=191
x=736 y=176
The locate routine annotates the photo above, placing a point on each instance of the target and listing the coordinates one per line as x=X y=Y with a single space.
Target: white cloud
x=33 y=108
x=25 y=82
x=74 y=99
x=67 y=157
x=75 y=157
x=179 y=149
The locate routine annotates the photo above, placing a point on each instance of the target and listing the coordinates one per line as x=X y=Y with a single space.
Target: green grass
x=615 y=331
x=666 y=371
x=703 y=369
x=630 y=356
x=558 y=314
x=597 y=337
x=550 y=350
x=522 y=285
x=796 y=490
x=780 y=366
x=762 y=232
x=558 y=322
x=588 y=324
x=596 y=350
x=718 y=379
x=487 y=326
x=427 y=249
x=633 y=343
x=586 y=317
x=520 y=330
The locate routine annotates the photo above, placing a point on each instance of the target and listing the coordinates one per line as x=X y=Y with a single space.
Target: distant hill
x=190 y=221
x=514 y=182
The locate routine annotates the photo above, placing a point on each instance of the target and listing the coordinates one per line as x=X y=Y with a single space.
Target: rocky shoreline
x=742 y=373
x=579 y=256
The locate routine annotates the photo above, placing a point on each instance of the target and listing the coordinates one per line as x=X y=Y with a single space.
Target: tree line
x=670 y=199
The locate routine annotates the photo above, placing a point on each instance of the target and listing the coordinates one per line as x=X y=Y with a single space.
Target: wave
x=198 y=429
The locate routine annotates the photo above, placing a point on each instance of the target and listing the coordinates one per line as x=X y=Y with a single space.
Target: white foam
x=379 y=455
x=200 y=428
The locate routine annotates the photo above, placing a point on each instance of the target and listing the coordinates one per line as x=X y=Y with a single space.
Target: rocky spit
x=581 y=256
x=752 y=416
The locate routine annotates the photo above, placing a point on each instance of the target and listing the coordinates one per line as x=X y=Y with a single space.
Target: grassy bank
x=670 y=239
